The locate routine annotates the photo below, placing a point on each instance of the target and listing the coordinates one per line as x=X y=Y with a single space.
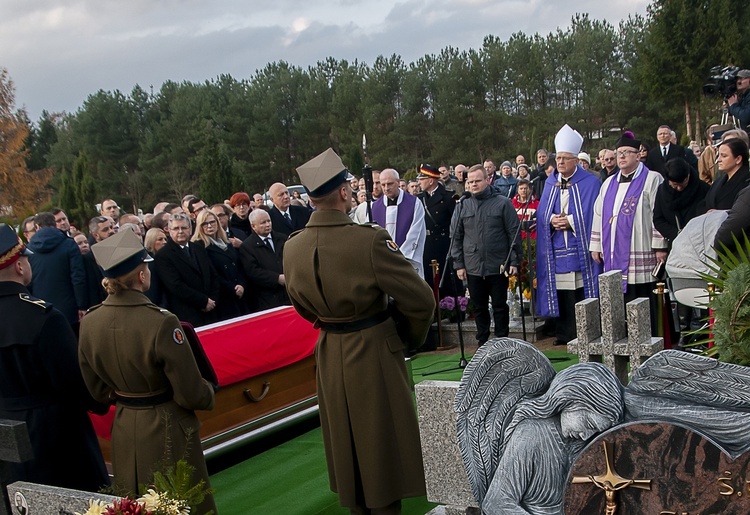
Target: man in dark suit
x=286 y=218
x=659 y=155
x=439 y=204
x=262 y=255
x=190 y=282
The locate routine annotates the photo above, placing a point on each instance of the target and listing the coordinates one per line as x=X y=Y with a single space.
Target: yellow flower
x=96 y=507
x=150 y=500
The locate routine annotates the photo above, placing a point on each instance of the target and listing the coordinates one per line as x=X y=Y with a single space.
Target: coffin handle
x=263 y=393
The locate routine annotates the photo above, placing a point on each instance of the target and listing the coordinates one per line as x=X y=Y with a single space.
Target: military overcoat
x=338 y=271
x=132 y=347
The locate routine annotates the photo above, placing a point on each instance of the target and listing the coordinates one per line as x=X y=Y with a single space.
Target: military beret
x=120 y=254
x=11 y=246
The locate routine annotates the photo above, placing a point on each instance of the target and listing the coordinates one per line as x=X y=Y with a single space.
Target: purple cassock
x=404 y=216
x=553 y=255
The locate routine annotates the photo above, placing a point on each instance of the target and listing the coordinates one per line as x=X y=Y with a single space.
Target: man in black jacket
x=485 y=243
x=262 y=256
x=439 y=204
x=659 y=155
x=286 y=218
x=191 y=284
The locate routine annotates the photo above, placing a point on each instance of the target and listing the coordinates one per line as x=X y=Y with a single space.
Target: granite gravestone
x=657 y=468
x=15 y=447
x=521 y=429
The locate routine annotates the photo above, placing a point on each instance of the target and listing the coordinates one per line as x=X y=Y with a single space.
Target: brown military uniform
x=132 y=347
x=337 y=271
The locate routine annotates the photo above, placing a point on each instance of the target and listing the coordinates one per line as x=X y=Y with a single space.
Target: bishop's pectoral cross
x=611 y=481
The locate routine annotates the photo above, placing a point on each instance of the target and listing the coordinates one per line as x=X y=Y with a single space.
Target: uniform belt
x=131 y=400
x=355 y=325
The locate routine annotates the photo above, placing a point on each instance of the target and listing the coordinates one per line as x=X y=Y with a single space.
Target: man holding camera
x=739 y=103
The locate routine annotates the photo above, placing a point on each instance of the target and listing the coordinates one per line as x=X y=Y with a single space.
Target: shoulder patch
x=33 y=300
x=391 y=245
x=295 y=233
x=178 y=336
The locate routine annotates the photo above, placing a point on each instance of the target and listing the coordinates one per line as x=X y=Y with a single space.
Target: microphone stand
x=504 y=267
x=449 y=264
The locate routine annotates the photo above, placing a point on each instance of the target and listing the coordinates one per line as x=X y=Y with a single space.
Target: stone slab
x=469 y=329
x=32 y=499
x=445 y=476
x=15 y=445
x=612 y=304
x=588 y=321
x=685 y=473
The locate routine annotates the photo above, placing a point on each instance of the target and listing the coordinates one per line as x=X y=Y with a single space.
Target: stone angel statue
x=521 y=426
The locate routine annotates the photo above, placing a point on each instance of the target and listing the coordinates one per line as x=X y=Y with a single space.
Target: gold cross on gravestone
x=611 y=481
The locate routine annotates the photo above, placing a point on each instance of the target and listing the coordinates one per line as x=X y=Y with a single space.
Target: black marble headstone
x=657 y=468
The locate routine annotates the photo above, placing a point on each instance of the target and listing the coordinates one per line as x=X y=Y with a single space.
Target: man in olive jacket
x=339 y=276
x=484 y=231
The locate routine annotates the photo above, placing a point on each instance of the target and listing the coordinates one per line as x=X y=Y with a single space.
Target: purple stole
x=619 y=257
x=583 y=189
x=404 y=215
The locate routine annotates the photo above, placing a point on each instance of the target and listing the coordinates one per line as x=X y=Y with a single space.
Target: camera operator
x=739 y=103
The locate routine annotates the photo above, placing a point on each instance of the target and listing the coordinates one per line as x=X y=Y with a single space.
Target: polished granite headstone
x=34 y=499
x=657 y=468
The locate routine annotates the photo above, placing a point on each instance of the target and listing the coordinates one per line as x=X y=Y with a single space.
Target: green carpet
x=290 y=478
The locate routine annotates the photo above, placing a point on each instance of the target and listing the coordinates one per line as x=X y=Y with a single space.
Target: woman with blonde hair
x=155 y=239
x=225 y=259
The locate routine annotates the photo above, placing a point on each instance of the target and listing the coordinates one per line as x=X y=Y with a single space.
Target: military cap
x=120 y=254
x=428 y=172
x=323 y=173
x=11 y=246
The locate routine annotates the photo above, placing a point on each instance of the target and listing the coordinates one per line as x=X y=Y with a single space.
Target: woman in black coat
x=679 y=198
x=732 y=161
x=225 y=259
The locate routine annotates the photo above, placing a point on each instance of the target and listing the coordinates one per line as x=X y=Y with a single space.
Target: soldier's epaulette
x=92 y=308
x=295 y=233
x=160 y=309
x=33 y=300
x=372 y=225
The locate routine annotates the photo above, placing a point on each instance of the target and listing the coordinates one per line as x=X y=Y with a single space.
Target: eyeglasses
x=179 y=228
x=609 y=158
x=242 y=204
x=623 y=153
x=222 y=215
x=210 y=222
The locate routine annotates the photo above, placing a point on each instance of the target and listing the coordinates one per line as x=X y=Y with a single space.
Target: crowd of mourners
x=218 y=261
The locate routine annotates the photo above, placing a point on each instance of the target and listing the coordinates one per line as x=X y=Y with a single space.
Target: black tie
x=268 y=243
x=186 y=250
x=664 y=151
x=288 y=219
x=392 y=201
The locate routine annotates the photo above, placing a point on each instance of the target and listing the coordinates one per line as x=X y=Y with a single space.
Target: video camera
x=723 y=82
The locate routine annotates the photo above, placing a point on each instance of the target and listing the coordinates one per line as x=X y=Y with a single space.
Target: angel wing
x=699 y=392
x=502 y=373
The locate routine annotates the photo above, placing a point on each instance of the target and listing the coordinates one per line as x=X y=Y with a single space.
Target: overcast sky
x=60 y=51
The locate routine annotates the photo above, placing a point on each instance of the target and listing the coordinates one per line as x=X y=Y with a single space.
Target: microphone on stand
x=466 y=195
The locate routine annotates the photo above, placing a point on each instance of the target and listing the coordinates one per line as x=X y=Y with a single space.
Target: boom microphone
x=466 y=195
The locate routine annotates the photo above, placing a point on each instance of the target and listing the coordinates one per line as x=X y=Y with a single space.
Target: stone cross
x=606 y=336
x=15 y=447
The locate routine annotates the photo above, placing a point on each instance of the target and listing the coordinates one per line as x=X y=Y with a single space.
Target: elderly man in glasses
x=623 y=236
x=191 y=284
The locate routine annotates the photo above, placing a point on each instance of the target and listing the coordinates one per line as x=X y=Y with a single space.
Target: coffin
x=266 y=371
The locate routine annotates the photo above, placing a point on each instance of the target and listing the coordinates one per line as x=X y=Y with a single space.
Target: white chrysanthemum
x=96 y=507
x=151 y=499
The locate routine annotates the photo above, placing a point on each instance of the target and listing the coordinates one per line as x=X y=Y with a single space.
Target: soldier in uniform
x=135 y=354
x=439 y=204
x=339 y=276
x=41 y=382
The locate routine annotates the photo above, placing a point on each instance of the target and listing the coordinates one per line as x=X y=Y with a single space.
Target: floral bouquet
x=171 y=494
x=448 y=308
